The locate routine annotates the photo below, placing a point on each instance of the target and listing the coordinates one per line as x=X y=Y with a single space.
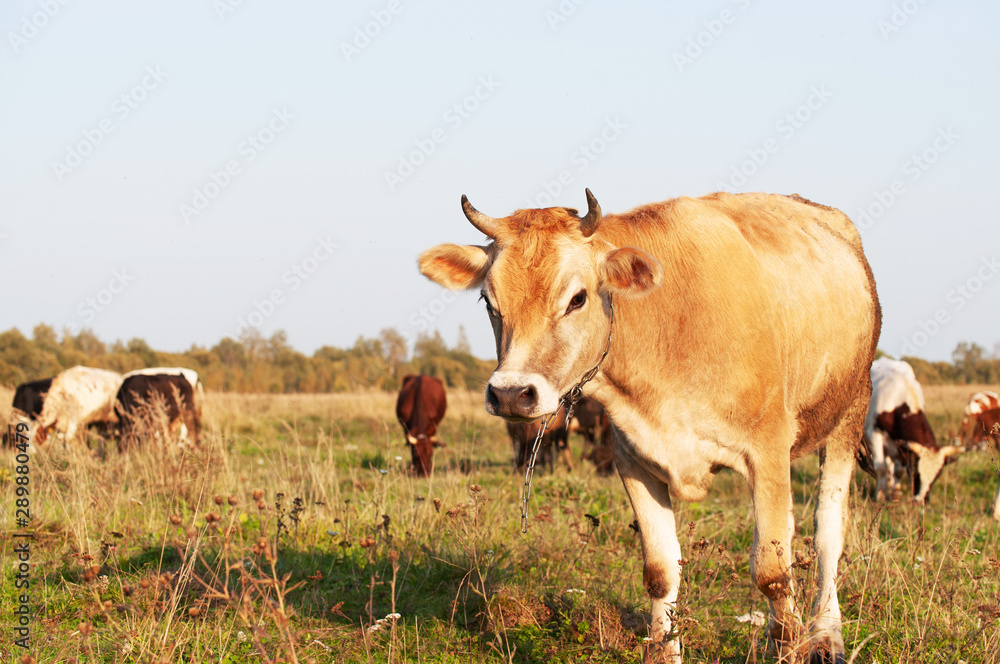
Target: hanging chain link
x=568 y=401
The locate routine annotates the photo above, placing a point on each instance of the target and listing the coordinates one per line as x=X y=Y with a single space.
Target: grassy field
x=294 y=533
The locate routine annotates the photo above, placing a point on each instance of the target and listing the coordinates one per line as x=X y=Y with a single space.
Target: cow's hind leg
x=836 y=469
x=661 y=552
x=772 y=553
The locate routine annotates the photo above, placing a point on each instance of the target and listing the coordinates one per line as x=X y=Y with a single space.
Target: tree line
x=253 y=363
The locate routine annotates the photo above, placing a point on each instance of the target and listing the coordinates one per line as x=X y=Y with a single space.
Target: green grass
x=917 y=584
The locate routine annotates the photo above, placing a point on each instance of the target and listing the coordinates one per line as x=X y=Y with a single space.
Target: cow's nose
x=517 y=401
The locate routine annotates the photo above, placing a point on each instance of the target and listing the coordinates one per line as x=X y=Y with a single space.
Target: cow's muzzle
x=517 y=403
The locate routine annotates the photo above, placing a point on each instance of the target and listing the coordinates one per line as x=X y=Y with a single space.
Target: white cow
x=78 y=397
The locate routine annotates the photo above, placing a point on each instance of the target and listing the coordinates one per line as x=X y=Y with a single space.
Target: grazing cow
x=78 y=397
x=190 y=374
x=140 y=398
x=602 y=454
x=30 y=397
x=420 y=408
x=587 y=417
x=726 y=331
x=898 y=433
x=982 y=416
x=523 y=435
x=28 y=400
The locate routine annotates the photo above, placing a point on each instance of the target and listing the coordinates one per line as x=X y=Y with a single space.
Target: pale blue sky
x=277 y=72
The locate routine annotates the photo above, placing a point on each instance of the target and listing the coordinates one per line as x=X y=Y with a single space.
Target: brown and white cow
x=420 y=408
x=900 y=437
x=744 y=327
x=190 y=374
x=78 y=397
x=157 y=405
x=979 y=426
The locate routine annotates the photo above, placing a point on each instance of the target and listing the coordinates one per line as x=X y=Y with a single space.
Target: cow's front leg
x=772 y=554
x=661 y=553
x=885 y=471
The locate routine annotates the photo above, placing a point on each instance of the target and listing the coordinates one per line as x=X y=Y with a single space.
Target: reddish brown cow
x=419 y=408
x=522 y=437
x=979 y=426
x=587 y=417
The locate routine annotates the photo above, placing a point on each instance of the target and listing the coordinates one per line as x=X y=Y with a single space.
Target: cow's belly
x=684 y=457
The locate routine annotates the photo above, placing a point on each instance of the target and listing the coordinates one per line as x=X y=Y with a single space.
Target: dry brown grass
x=922 y=582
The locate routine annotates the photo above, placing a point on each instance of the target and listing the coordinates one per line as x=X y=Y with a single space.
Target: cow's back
x=768 y=305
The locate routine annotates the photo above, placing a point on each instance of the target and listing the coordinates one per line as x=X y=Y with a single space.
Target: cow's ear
x=917 y=448
x=630 y=272
x=456 y=267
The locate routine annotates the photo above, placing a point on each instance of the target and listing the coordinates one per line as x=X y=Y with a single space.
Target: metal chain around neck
x=567 y=401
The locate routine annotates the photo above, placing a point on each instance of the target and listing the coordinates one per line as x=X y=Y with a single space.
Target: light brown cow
x=744 y=330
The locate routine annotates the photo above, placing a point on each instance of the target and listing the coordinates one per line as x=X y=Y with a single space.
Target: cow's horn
x=486 y=225
x=590 y=223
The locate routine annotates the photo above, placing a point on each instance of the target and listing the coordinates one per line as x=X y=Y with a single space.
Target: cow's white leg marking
x=661 y=552
x=836 y=469
x=884 y=468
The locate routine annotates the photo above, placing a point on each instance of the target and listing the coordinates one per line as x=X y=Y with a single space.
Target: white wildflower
x=570 y=591
x=757 y=618
x=241 y=637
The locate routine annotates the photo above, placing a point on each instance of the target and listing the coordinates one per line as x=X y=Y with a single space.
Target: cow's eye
x=578 y=301
x=489 y=307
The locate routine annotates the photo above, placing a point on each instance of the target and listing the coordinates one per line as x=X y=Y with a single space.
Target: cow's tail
x=863 y=455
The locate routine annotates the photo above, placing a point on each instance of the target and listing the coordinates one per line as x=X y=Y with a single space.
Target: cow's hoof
x=825 y=657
